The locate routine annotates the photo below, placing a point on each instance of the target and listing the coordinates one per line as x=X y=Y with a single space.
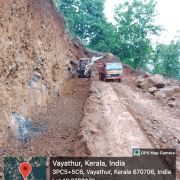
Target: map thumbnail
x=11 y=168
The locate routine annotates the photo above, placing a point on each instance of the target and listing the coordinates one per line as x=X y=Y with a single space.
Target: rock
x=13 y=8
x=147 y=74
x=48 y=152
x=32 y=148
x=109 y=152
x=139 y=80
x=160 y=94
x=74 y=75
x=168 y=91
x=74 y=62
x=41 y=60
x=74 y=90
x=154 y=120
x=151 y=90
x=176 y=89
x=47 y=164
x=31 y=84
x=57 y=74
x=154 y=81
x=1 y=175
x=53 y=152
x=171 y=98
x=98 y=97
x=162 y=139
x=172 y=104
x=36 y=76
x=37 y=97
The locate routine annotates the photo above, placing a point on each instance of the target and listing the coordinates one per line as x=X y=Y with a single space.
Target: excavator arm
x=88 y=66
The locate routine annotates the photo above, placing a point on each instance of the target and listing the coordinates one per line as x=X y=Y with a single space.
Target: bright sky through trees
x=169 y=14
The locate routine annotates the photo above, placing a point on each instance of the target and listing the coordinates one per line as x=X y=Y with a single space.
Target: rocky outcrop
x=147 y=74
x=160 y=94
x=35 y=55
x=159 y=87
x=154 y=81
x=152 y=90
x=168 y=91
x=139 y=80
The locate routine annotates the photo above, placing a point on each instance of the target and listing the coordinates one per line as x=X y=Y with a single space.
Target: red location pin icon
x=25 y=169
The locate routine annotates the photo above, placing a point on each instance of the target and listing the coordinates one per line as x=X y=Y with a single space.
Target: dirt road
x=119 y=117
x=94 y=118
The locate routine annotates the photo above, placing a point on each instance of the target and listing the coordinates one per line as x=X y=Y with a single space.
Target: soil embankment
x=62 y=119
x=35 y=55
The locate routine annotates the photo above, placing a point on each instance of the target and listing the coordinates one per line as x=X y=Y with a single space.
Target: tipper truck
x=111 y=71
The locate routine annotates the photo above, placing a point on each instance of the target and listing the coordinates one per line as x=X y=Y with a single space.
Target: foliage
x=135 y=26
x=54 y=1
x=168 y=60
x=84 y=17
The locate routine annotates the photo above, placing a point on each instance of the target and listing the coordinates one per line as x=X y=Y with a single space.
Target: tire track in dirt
x=157 y=122
x=108 y=128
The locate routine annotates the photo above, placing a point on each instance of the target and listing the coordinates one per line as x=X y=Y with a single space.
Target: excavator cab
x=81 y=69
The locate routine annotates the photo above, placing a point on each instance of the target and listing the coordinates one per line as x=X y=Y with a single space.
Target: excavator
x=85 y=70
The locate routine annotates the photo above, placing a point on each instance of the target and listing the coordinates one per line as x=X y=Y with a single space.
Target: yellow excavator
x=85 y=67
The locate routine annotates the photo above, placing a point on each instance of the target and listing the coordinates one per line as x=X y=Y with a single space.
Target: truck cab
x=111 y=71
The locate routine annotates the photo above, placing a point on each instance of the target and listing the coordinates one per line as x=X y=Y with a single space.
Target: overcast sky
x=169 y=17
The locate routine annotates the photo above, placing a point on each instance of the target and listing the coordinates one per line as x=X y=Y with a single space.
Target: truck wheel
x=105 y=80
x=119 y=80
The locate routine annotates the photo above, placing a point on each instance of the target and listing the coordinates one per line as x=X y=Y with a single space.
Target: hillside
x=35 y=55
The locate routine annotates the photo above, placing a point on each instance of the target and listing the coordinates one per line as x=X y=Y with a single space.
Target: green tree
x=167 y=58
x=135 y=27
x=84 y=17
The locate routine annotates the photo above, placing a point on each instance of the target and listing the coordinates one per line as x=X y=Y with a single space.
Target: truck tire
x=119 y=80
x=101 y=76
x=104 y=78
